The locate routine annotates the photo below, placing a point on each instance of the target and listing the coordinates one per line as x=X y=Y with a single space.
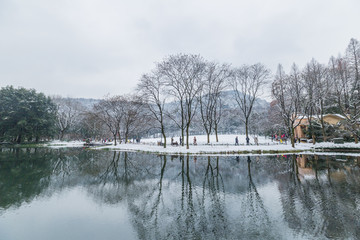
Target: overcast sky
x=89 y=48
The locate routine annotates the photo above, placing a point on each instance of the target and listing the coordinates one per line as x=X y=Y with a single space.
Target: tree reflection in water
x=201 y=212
x=194 y=212
x=24 y=174
x=314 y=205
x=213 y=219
x=203 y=197
x=255 y=222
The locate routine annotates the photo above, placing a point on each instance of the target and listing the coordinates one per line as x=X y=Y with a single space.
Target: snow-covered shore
x=226 y=145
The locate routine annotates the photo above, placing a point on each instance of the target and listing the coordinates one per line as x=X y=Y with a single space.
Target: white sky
x=88 y=48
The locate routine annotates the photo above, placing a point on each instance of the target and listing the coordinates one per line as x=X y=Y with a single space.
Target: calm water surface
x=86 y=194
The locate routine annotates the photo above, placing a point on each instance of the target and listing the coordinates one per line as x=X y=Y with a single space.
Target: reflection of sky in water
x=76 y=194
x=70 y=214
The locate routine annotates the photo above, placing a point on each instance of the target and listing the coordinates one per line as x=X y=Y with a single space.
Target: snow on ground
x=202 y=139
x=206 y=149
x=226 y=145
x=333 y=145
x=61 y=144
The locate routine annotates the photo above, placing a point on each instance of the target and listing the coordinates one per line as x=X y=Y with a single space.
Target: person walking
x=236 y=141
x=195 y=141
x=256 y=141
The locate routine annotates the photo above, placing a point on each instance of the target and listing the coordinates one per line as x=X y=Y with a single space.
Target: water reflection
x=320 y=196
x=203 y=197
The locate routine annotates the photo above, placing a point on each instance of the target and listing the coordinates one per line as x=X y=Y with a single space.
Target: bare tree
x=317 y=87
x=110 y=112
x=347 y=96
x=247 y=82
x=152 y=89
x=309 y=75
x=323 y=86
x=287 y=91
x=68 y=114
x=275 y=121
x=183 y=74
x=134 y=116
x=91 y=126
x=210 y=96
x=218 y=115
x=353 y=111
x=353 y=60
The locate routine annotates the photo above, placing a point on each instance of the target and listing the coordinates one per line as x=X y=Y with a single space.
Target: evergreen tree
x=25 y=115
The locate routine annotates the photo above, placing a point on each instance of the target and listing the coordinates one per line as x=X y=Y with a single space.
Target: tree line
x=195 y=86
x=319 y=89
x=185 y=92
x=181 y=93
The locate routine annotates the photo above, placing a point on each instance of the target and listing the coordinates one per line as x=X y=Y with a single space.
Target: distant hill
x=230 y=102
x=227 y=96
x=86 y=102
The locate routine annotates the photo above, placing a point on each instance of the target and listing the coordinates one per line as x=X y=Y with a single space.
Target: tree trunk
x=182 y=136
x=163 y=134
x=314 y=139
x=312 y=131
x=126 y=136
x=322 y=122
x=208 y=137
x=247 y=132
x=323 y=129
x=216 y=132
x=18 y=139
x=114 y=139
x=119 y=136
x=187 y=137
x=61 y=135
x=182 y=125
x=292 y=136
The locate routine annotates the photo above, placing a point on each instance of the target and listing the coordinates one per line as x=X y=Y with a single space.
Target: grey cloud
x=91 y=48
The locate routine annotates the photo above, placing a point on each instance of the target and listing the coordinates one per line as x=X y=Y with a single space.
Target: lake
x=76 y=193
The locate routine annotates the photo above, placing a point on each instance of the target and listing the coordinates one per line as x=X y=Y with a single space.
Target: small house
x=302 y=123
